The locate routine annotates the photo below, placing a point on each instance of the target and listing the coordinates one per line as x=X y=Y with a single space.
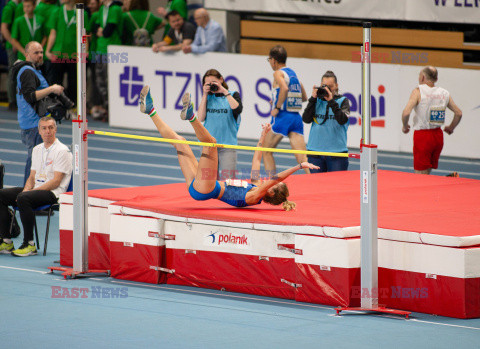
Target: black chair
x=49 y=209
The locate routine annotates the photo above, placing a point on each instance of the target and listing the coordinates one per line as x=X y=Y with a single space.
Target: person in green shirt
x=29 y=27
x=139 y=24
x=8 y=17
x=62 y=46
x=94 y=100
x=173 y=5
x=109 y=28
x=47 y=9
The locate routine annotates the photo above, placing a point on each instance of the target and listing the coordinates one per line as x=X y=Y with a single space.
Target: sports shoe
x=25 y=250
x=453 y=174
x=187 y=110
x=6 y=248
x=146 y=101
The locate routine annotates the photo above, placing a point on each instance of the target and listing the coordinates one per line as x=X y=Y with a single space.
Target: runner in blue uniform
x=201 y=176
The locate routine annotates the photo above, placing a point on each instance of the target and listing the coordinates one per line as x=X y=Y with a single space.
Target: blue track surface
x=183 y=317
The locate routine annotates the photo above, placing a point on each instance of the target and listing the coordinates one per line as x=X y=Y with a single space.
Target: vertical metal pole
x=366 y=96
x=80 y=172
x=368 y=177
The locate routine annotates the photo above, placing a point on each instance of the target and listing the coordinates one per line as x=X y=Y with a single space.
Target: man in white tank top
x=429 y=103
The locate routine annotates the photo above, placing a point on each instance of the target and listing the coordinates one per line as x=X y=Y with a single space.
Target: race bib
x=437 y=115
x=236 y=183
x=294 y=101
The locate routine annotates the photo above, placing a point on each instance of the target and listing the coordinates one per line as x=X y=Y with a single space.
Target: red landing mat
x=407 y=202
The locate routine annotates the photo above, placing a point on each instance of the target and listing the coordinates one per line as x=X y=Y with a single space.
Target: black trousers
x=26 y=202
x=56 y=74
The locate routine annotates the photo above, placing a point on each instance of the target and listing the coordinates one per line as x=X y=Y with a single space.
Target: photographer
x=31 y=88
x=220 y=109
x=328 y=112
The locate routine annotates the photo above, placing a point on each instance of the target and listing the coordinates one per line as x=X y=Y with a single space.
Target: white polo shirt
x=47 y=161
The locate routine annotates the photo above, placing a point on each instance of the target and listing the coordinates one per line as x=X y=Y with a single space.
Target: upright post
x=368 y=174
x=80 y=172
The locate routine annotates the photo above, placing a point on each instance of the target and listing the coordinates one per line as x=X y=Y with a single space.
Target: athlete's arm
x=282 y=95
x=256 y=195
x=457 y=116
x=304 y=94
x=412 y=102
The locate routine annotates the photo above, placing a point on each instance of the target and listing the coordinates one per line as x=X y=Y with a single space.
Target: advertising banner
x=448 y=11
x=171 y=75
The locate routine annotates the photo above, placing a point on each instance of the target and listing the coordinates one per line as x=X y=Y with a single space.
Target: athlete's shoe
x=6 y=248
x=187 y=110
x=453 y=174
x=146 y=101
x=25 y=250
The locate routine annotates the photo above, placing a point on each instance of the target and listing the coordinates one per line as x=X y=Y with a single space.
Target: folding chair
x=49 y=209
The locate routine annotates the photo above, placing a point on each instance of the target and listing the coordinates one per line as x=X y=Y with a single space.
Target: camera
x=66 y=102
x=322 y=91
x=213 y=87
x=55 y=105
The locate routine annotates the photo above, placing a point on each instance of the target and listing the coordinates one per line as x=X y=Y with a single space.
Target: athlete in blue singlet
x=201 y=176
x=287 y=97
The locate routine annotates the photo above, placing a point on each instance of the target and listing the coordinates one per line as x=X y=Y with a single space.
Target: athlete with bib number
x=288 y=95
x=430 y=103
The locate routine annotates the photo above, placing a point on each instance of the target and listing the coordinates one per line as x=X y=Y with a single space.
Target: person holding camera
x=328 y=112
x=31 y=88
x=220 y=108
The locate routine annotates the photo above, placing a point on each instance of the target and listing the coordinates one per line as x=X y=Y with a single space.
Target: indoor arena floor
x=36 y=312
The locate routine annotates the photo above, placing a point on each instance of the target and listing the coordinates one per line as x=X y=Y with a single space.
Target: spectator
x=31 y=87
x=8 y=17
x=179 y=6
x=94 y=100
x=209 y=35
x=46 y=9
x=108 y=28
x=328 y=114
x=181 y=33
x=62 y=46
x=140 y=24
x=220 y=108
x=49 y=177
x=430 y=103
x=29 y=27
x=288 y=95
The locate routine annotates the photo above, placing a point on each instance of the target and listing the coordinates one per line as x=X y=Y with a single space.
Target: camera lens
x=67 y=102
x=213 y=88
x=322 y=91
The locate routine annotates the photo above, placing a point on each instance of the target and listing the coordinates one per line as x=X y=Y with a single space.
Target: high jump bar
x=217 y=145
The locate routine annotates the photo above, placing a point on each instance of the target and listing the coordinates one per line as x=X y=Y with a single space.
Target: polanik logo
x=131 y=84
x=227 y=239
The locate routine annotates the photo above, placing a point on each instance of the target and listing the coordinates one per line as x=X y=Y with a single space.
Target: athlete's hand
x=448 y=130
x=304 y=165
x=406 y=129
x=274 y=112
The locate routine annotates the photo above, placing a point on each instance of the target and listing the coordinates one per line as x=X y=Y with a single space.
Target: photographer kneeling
x=220 y=109
x=328 y=112
x=33 y=98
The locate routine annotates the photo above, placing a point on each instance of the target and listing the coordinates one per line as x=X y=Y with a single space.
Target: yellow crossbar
x=215 y=145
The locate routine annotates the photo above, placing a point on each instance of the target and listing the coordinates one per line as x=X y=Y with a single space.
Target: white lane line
x=443 y=324
x=23 y=269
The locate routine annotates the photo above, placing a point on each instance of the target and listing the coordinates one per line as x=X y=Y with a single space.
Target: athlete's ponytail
x=289 y=205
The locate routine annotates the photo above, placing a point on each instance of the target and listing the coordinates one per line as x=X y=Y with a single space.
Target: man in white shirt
x=209 y=36
x=430 y=103
x=49 y=177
